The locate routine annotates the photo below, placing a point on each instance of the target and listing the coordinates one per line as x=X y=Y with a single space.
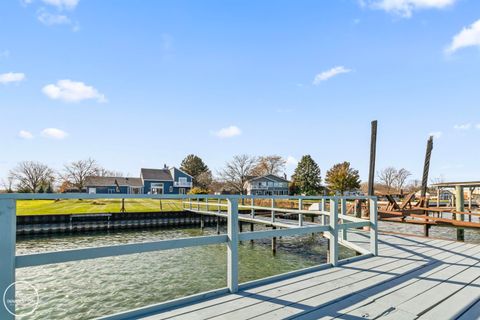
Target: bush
x=197 y=190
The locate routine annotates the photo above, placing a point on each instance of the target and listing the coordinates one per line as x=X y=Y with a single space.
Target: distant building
x=267 y=185
x=166 y=181
x=151 y=181
x=111 y=185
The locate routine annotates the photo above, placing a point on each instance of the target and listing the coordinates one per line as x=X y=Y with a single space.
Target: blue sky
x=139 y=84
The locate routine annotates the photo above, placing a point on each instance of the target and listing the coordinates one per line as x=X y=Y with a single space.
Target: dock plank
x=404 y=256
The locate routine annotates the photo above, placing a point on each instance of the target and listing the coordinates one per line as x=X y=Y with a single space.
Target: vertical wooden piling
x=460 y=207
x=273 y=211
x=252 y=229
x=274 y=242
x=218 y=225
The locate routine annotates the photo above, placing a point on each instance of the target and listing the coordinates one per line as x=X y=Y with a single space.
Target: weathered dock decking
x=411 y=278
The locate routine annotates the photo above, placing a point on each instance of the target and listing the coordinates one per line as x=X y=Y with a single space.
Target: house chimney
x=164 y=166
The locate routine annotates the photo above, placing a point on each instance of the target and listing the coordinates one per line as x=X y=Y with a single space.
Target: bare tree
x=102 y=172
x=236 y=172
x=8 y=184
x=401 y=178
x=269 y=165
x=29 y=176
x=388 y=177
x=76 y=172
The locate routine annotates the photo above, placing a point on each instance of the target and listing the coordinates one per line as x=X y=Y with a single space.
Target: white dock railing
x=9 y=261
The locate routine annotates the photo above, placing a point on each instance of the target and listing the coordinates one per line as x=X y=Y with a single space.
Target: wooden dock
x=411 y=278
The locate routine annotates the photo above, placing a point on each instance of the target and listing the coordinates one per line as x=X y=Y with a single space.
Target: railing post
x=273 y=211
x=373 y=227
x=232 y=245
x=344 y=212
x=206 y=203
x=218 y=205
x=322 y=208
x=300 y=215
x=7 y=262
x=333 y=237
x=252 y=211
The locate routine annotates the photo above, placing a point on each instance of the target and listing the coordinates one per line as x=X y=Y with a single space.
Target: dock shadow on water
x=92 y=288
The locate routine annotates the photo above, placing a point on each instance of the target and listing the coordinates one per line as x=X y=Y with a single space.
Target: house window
x=170 y=189
x=182 y=180
x=111 y=190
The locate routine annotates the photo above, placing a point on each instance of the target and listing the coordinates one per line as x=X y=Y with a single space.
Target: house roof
x=454 y=184
x=269 y=177
x=110 y=181
x=156 y=174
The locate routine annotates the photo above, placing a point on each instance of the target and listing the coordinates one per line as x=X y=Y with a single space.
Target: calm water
x=91 y=288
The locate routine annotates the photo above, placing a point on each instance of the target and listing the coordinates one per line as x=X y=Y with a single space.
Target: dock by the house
x=411 y=278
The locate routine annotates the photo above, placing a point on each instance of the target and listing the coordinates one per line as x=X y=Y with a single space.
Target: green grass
x=39 y=207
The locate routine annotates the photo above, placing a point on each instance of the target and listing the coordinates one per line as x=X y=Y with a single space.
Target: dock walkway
x=411 y=278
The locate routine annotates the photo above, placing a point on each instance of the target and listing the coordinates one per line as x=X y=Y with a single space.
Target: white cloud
x=228 y=132
x=436 y=134
x=325 y=75
x=62 y=4
x=477 y=126
x=49 y=19
x=405 y=8
x=72 y=91
x=54 y=133
x=24 y=134
x=11 y=77
x=291 y=161
x=468 y=37
x=464 y=126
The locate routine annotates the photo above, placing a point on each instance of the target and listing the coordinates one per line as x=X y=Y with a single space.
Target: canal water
x=91 y=288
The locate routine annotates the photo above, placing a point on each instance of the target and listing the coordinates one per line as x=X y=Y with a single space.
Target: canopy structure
x=464 y=184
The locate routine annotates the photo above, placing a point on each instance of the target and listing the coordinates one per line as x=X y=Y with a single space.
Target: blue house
x=165 y=181
x=151 y=181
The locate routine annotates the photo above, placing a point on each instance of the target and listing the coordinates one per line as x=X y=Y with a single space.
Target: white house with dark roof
x=267 y=185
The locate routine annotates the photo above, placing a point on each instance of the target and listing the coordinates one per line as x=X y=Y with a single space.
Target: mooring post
x=7 y=262
x=274 y=242
x=218 y=225
x=344 y=212
x=333 y=232
x=232 y=245
x=202 y=221
x=438 y=197
x=273 y=211
x=300 y=215
x=252 y=229
x=460 y=207
x=373 y=226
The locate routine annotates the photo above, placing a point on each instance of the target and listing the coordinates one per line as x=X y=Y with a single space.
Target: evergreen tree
x=49 y=188
x=41 y=189
x=341 y=178
x=194 y=166
x=306 y=177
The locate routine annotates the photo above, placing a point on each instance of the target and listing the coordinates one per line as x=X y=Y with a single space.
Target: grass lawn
x=74 y=206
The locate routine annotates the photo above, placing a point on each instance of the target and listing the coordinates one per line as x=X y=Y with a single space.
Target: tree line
x=33 y=176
